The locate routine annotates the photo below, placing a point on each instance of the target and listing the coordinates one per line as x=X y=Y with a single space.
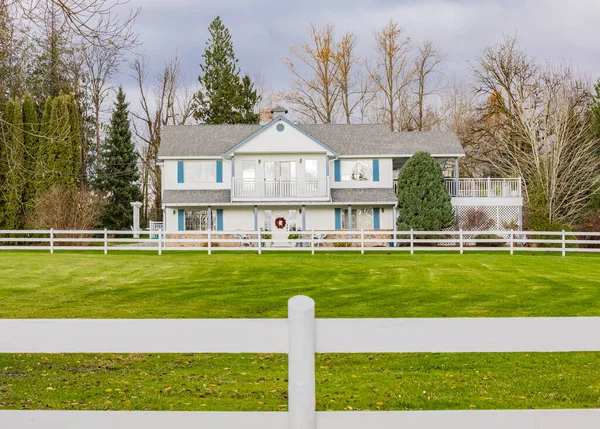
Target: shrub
x=424 y=203
x=475 y=220
x=590 y=224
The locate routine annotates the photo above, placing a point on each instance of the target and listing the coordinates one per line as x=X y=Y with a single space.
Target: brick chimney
x=265 y=116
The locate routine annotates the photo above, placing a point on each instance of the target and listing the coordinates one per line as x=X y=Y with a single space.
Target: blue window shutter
x=219 y=219
x=179 y=171
x=376 y=221
x=338 y=219
x=181 y=220
x=337 y=170
x=219 y=171
x=375 y=170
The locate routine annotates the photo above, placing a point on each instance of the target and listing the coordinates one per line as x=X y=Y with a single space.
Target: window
x=357 y=170
x=267 y=220
x=285 y=170
x=197 y=220
x=361 y=218
x=310 y=167
x=248 y=170
x=200 y=172
x=291 y=222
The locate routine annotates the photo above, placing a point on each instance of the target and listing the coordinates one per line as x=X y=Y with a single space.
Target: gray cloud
x=262 y=30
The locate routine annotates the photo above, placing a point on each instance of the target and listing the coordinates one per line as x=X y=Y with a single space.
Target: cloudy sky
x=263 y=30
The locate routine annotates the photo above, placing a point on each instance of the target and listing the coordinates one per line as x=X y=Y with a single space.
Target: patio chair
x=244 y=239
x=319 y=239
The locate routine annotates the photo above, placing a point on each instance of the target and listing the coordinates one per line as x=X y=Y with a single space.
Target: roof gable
x=280 y=136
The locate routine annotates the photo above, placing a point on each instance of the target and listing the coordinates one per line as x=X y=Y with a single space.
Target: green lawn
x=174 y=285
x=145 y=285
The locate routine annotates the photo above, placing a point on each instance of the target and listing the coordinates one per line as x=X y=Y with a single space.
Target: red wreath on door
x=280 y=223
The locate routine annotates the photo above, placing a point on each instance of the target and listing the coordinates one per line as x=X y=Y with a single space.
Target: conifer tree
x=224 y=98
x=31 y=130
x=119 y=174
x=75 y=138
x=424 y=203
x=5 y=142
x=13 y=178
x=55 y=160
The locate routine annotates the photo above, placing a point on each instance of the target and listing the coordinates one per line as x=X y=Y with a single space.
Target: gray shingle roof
x=364 y=195
x=214 y=140
x=195 y=196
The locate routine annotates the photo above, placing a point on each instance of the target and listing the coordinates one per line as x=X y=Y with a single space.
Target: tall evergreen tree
x=595 y=201
x=31 y=130
x=424 y=203
x=13 y=179
x=56 y=160
x=119 y=174
x=74 y=118
x=5 y=142
x=224 y=97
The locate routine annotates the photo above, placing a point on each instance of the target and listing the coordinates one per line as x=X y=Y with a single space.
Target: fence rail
x=301 y=336
x=309 y=241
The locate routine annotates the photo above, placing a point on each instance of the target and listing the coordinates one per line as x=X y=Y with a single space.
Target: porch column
x=255 y=218
x=136 y=218
x=455 y=177
x=209 y=218
x=303 y=225
x=395 y=221
x=349 y=220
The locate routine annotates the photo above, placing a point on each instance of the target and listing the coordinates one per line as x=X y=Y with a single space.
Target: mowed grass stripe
x=194 y=285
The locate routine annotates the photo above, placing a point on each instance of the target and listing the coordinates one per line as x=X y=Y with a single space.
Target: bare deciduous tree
x=392 y=70
x=315 y=90
x=535 y=124
x=96 y=21
x=426 y=66
x=166 y=101
x=348 y=77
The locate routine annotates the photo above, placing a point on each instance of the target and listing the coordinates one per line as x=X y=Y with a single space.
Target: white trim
x=281 y=203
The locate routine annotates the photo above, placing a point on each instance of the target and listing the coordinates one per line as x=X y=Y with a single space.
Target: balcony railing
x=279 y=188
x=484 y=188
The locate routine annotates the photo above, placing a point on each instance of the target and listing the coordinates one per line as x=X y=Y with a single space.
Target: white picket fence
x=313 y=241
x=301 y=336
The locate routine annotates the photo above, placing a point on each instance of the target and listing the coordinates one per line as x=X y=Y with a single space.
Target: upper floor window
x=200 y=171
x=311 y=169
x=285 y=170
x=357 y=170
x=248 y=170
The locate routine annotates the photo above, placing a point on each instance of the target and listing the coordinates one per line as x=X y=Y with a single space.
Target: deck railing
x=279 y=188
x=485 y=188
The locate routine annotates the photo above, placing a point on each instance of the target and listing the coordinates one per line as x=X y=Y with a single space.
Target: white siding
x=272 y=141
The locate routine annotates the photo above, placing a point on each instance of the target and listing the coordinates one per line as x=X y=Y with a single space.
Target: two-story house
x=281 y=176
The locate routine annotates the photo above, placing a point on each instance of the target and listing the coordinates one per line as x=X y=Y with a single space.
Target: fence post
x=258 y=234
x=51 y=240
x=312 y=241
x=412 y=242
x=105 y=242
x=460 y=235
x=512 y=242
x=564 y=243
x=160 y=240
x=301 y=363
x=209 y=241
x=362 y=241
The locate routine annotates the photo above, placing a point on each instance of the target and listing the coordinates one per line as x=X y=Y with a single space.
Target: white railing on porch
x=484 y=188
x=279 y=188
x=301 y=336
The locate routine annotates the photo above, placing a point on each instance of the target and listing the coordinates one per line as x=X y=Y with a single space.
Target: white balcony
x=279 y=189
x=484 y=188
